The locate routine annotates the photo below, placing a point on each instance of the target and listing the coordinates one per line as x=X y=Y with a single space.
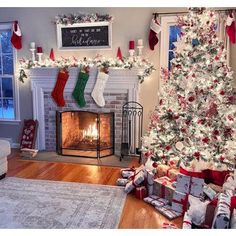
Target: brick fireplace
x=122 y=86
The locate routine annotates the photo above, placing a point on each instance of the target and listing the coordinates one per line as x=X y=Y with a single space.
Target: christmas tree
x=195 y=119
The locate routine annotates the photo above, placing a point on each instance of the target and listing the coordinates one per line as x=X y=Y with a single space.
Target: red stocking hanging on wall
x=155 y=29
x=57 y=93
x=230 y=27
x=16 y=38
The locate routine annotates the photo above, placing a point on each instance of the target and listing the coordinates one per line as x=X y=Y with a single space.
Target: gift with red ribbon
x=156 y=201
x=180 y=202
x=209 y=216
x=135 y=181
x=168 y=212
x=187 y=221
x=150 y=182
x=127 y=172
x=190 y=185
x=163 y=187
x=140 y=192
x=169 y=171
x=223 y=211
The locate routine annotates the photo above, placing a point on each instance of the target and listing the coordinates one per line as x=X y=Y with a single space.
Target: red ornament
x=217 y=58
x=221 y=158
x=163 y=157
x=147 y=154
x=161 y=102
x=187 y=122
x=168 y=147
x=183 y=130
x=154 y=164
x=171 y=163
x=215 y=132
x=215 y=81
x=231 y=99
x=176 y=117
x=205 y=140
x=191 y=99
x=201 y=121
x=222 y=92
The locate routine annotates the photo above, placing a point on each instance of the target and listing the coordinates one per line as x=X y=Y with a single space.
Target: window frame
x=166 y=22
x=15 y=83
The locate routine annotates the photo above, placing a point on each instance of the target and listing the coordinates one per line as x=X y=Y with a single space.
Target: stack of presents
x=174 y=192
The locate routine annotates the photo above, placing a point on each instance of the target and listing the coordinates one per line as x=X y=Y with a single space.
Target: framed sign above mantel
x=94 y=35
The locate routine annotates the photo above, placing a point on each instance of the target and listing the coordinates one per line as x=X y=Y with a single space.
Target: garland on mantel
x=126 y=63
x=74 y=18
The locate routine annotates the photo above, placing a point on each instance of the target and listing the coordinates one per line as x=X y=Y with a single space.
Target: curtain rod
x=183 y=12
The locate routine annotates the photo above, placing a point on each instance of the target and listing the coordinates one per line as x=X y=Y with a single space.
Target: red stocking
x=155 y=29
x=57 y=93
x=230 y=28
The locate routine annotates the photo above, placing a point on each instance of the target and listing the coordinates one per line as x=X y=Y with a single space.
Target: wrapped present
x=121 y=182
x=162 y=170
x=197 y=210
x=137 y=179
x=166 y=225
x=210 y=212
x=180 y=202
x=222 y=213
x=163 y=188
x=150 y=181
x=156 y=201
x=168 y=212
x=187 y=221
x=127 y=172
x=216 y=188
x=172 y=173
x=191 y=185
x=140 y=192
x=233 y=220
x=209 y=192
x=230 y=183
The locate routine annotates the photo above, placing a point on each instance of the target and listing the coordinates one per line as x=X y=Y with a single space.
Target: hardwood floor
x=136 y=213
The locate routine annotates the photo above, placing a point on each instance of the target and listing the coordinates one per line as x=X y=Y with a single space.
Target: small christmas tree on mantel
x=201 y=114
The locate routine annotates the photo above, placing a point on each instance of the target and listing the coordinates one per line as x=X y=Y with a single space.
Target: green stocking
x=78 y=93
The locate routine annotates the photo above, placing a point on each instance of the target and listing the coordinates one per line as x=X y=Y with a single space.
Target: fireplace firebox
x=86 y=134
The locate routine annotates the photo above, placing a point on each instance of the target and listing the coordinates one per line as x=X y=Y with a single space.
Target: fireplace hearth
x=86 y=134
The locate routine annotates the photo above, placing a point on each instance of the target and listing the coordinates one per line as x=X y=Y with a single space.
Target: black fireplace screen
x=87 y=134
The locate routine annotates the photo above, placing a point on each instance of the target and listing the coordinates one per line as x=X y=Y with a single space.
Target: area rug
x=41 y=204
x=104 y=161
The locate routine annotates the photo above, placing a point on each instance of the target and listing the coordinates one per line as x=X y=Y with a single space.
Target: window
x=8 y=93
x=169 y=34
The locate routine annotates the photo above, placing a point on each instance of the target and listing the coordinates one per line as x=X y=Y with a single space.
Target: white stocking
x=97 y=93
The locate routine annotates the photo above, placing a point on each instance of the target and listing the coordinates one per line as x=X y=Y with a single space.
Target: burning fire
x=91 y=132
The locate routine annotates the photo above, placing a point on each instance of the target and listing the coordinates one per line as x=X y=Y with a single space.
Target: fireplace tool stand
x=132 y=126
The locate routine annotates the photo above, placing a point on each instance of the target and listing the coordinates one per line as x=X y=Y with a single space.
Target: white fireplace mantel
x=44 y=79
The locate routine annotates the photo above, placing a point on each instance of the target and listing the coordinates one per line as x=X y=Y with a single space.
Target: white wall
x=129 y=23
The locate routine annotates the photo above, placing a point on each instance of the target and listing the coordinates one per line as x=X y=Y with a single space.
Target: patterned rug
x=41 y=204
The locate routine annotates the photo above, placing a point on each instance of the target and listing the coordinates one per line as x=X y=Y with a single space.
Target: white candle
x=140 y=42
x=32 y=45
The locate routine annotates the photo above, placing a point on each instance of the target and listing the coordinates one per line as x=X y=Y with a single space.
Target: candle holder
x=33 y=53
x=140 y=50
x=131 y=52
x=39 y=54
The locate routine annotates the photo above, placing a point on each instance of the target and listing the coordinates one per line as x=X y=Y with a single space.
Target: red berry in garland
x=221 y=158
x=154 y=164
x=191 y=99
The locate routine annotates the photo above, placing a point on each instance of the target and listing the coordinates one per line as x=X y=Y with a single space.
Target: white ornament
x=179 y=146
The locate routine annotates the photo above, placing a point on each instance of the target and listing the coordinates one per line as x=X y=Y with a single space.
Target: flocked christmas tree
x=195 y=121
